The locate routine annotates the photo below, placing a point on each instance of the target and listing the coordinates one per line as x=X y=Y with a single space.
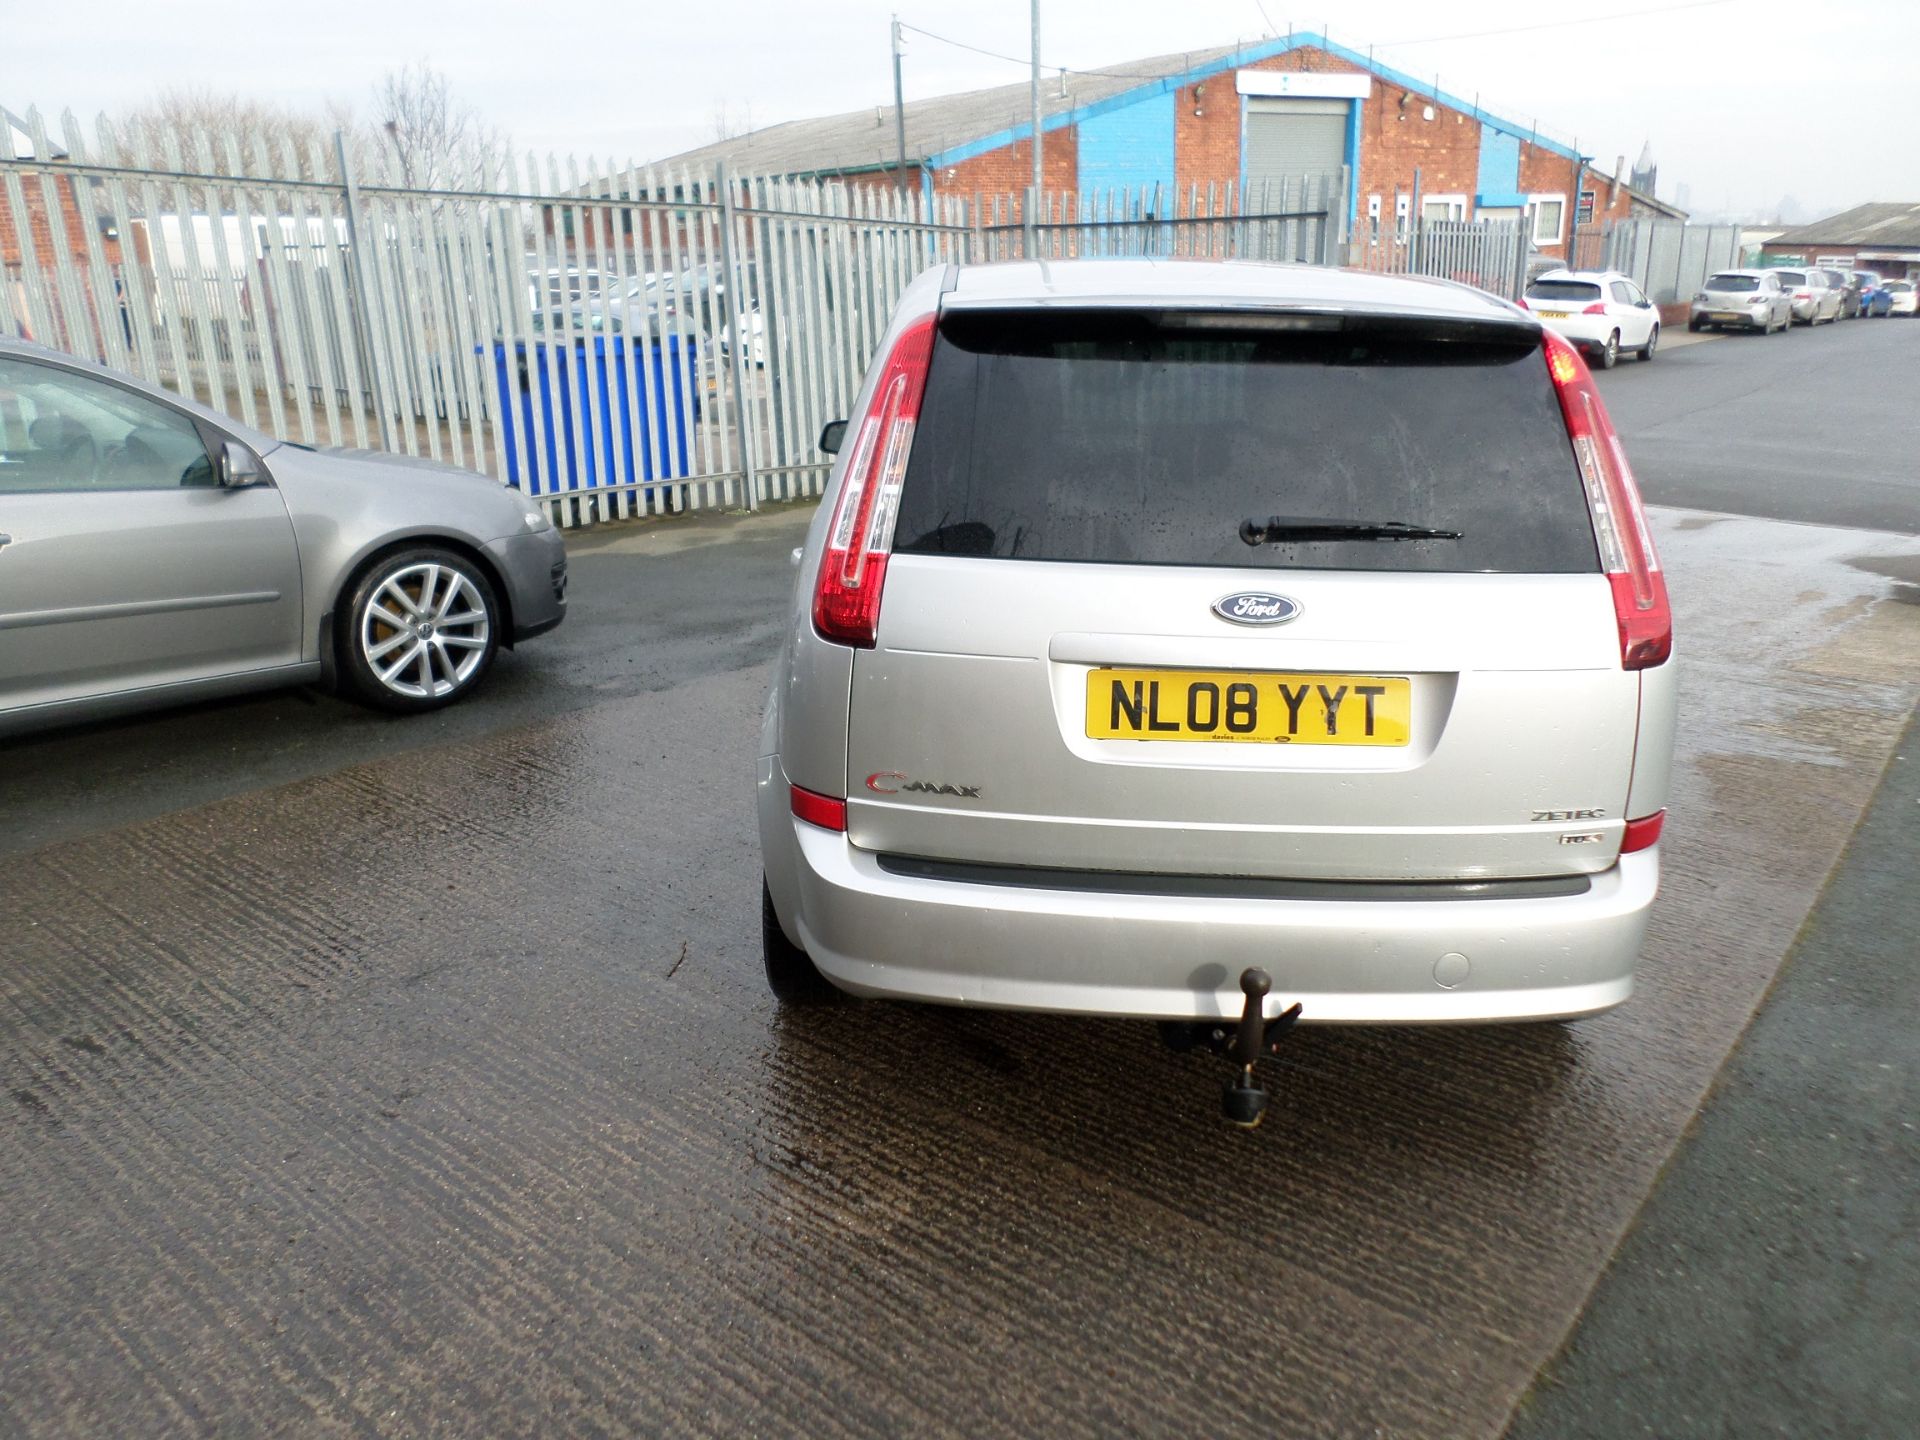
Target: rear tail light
x=1803 y=294
x=1619 y=521
x=826 y=811
x=846 y=597
x=1644 y=833
x=1599 y=307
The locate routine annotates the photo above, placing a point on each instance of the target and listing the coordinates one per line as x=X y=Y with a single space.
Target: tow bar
x=1243 y=1102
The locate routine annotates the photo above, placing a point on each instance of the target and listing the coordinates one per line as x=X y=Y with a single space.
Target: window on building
x=1443 y=207
x=1547 y=216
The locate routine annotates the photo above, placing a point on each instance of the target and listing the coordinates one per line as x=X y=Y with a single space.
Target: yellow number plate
x=1243 y=705
x=1545 y=314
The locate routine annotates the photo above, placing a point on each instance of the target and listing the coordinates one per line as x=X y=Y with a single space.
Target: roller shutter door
x=1290 y=138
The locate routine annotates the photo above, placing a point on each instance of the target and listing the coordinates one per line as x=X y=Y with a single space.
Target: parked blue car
x=1875 y=298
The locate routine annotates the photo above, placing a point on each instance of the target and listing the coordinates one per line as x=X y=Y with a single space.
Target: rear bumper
x=875 y=932
x=1588 y=331
x=1755 y=317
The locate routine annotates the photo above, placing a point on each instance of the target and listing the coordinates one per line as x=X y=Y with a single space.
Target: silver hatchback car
x=153 y=551
x=1166 y=620
x=1742 y=299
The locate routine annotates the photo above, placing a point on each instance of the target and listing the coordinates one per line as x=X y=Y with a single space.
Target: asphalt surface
x=1815 y=425
x=1769 y=1288
x=372 y=1077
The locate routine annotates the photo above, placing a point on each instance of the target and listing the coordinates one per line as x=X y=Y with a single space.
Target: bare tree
x=259 y=134
x=725 y=126
x=434 y=141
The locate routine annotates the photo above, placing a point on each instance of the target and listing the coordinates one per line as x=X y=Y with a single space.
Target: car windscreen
x=1727 y=284
x=1791 y=277
x=1129 y=438
x=1898 y=287
x=1562 y=290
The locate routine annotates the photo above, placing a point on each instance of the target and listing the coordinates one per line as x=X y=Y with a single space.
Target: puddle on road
x=1903 y=570
x=1809 y=662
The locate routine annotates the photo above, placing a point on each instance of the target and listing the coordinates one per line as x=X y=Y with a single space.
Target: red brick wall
x=1009 y=170
x=73 y=222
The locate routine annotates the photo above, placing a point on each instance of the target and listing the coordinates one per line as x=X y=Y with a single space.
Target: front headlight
x=536 y=521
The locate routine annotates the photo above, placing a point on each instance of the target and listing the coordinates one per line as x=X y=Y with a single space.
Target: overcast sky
x=1745 y=101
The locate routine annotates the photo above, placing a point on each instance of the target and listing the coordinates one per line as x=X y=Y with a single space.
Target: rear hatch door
x=1125 y=629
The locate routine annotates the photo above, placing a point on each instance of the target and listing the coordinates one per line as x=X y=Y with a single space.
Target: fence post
x=736 y=338
x=362 y=319
x=1416 y=252
x=1519 y=258
x=1343 y=198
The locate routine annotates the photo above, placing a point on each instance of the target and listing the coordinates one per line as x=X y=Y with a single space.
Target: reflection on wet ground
x=441 y=1096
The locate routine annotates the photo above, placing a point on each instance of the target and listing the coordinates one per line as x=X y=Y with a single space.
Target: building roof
x=947 y=129
x=1887 y=224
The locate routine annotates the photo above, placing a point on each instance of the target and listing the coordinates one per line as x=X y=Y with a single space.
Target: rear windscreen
x=1728 y=283
x=1562 y=290
x=1113 y=437
x=1791 y=277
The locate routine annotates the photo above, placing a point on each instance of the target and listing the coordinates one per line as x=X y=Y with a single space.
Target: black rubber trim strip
x=1231 y=887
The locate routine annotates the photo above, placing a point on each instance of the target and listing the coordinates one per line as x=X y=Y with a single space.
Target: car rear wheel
x=418 y=631
x=1653 y=340
x=1695 y=326
x=791 y=973
x=1610 y=352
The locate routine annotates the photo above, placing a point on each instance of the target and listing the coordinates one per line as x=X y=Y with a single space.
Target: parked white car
x=1906 y=299
x=1601 y=311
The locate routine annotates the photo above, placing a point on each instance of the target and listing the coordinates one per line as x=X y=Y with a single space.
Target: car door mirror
x=239 y=467
x=832 y=435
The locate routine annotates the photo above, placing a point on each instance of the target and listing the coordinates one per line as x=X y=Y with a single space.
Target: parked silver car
x=1814 y=296
x=1162 y=621
x=1741 y=300
x=153 y=551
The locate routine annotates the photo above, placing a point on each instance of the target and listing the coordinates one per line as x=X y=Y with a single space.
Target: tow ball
x=1244 y=1102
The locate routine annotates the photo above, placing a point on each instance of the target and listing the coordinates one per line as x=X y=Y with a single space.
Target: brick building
x=1235 y=116
x=1881 y=237
x=74 y=215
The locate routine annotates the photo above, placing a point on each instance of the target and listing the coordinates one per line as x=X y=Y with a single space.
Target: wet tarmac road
x=439 y=1094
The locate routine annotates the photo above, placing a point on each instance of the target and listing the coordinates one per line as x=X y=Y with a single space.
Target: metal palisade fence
x=1669 y=260
x=612 y=341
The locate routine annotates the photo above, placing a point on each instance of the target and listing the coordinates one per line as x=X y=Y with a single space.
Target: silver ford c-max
x=1165 y=621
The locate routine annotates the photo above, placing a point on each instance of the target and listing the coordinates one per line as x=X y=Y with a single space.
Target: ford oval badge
x=1256 y=607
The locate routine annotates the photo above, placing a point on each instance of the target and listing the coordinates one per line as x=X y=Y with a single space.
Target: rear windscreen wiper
x=1276 y=529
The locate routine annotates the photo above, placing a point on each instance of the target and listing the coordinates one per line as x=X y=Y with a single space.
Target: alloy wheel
x=424 y=631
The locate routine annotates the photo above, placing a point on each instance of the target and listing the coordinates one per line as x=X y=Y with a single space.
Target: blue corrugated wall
x=1499 y=182
x=1130 y=147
